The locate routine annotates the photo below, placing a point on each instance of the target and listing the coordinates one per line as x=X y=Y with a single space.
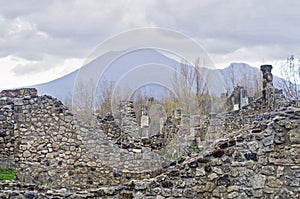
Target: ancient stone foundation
x=248 y=153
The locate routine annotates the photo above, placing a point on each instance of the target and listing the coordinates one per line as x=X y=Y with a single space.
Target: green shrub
x=7 y=174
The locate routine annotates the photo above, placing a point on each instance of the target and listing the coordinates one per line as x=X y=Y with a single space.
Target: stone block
x=166 y=192
x=26 y=154
x=292 y=181
x=268 y=141
x=258 y=181
x=294 y=136
x=274 y=182
x=144 y=121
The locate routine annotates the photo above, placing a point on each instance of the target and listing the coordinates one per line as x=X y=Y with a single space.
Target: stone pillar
x=162 y=124
x=198 y=140
x=127 y=117
x=177 y=116
x=145 y=117
x=267 y=79
x=236 y=98
x=243 y=98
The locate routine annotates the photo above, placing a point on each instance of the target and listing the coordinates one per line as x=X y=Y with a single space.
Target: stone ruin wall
x=263 y=163
x=6 y=134
x=48 y=145
x=245 y=153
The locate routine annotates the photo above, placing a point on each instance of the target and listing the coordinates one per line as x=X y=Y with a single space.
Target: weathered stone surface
x=232 y=188
x=167 y=184
x=273 y=182
x=268 y=141
x=268 y=170
x=140 y=186
x=294 y=136
x=212 y=176
x=292 y=181
x=166 y=192
x=223 y=181
x=193 y=164
x=49 y=156
x=251 y=156
x=233 y=195
x=207 y=168
x=26 y=154
x=258 y=181
x=218 y=153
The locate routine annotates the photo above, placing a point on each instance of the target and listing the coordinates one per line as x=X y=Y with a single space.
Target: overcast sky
x=43 y=40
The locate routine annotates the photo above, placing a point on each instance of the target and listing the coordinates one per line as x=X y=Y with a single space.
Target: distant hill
x=244 y=75
x=218 y=80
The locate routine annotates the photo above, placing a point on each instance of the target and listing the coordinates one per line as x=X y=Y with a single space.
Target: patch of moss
x=173 y=157
x=7 y=174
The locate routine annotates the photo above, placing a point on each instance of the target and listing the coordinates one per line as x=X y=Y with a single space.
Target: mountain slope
x=135 y=66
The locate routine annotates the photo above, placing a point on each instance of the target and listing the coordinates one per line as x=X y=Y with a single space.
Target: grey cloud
x=246 y=22
x=16 y=8
x=74 y=28
x=29 y=69
x=34 y=67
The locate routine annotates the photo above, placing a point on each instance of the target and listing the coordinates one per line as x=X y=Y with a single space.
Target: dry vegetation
x=190 y=92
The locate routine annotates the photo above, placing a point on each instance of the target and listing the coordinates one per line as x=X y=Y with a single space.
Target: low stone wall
x=120 y=136
x=260 y=164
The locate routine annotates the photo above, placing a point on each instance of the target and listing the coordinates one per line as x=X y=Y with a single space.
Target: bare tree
x=290 y=72
x=84 y=100
x=201 y=85
x=183 y=80
x=169 y=101
x=105 y=96
x=251 y=81
x=190 y=86
x=230 y=79
x=88 y=99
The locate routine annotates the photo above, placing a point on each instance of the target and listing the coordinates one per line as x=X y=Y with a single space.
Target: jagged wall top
x=19 y=93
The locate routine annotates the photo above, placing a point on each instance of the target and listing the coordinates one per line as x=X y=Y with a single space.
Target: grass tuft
x=7 y=174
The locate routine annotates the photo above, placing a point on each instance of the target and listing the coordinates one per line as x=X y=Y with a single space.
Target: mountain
x=110 y=66
x=244 y=75
x=136 y=68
